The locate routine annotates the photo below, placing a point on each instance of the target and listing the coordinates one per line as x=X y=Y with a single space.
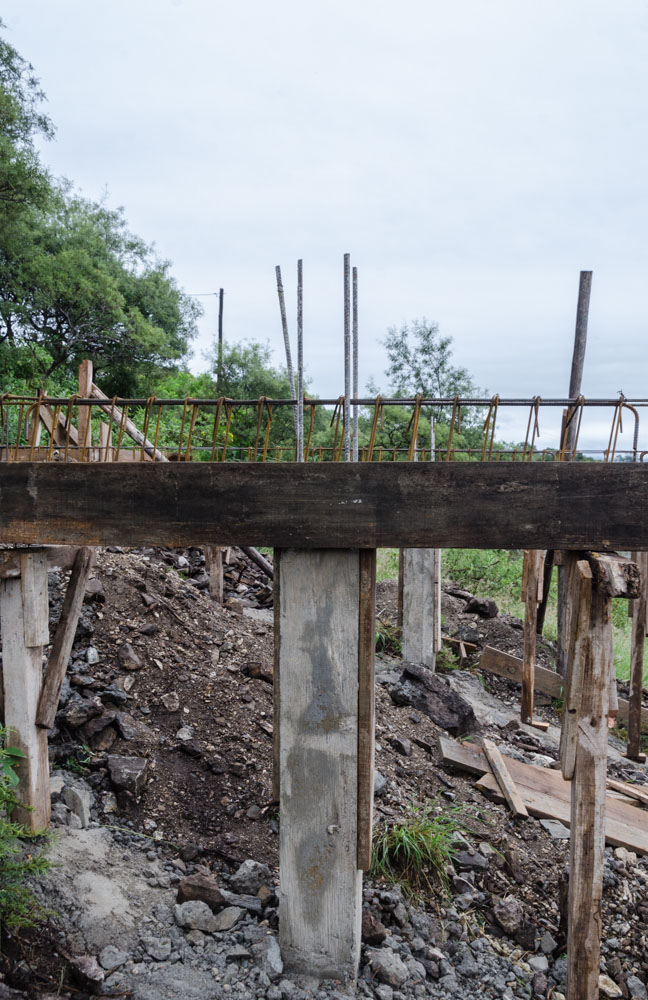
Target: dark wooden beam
x=354 y=505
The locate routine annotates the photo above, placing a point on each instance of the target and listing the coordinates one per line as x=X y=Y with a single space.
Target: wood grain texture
x=33 y=580
x=504 y=779
x=347 y=505
x=588 y=806
x=22 y=667
x=276 y=678
x=637 y=659
x=321 y=886
x=64 y=638
x=366 y=704
x=419 y=612
x=214 y=567
x=577 y=615
x=533 y=559
x=62 y=556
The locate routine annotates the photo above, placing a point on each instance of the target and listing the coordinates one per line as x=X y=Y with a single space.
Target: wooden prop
x=366 y=704
x=64 y=638
x=130 y=428
x=214 y=566
x=532 y=587
x=504 y=779
x=637 y=662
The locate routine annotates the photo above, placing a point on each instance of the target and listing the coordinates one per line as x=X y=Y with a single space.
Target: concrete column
x=318 y=651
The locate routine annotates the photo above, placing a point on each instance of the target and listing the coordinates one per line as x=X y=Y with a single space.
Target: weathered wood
x=419 y=606
x=366 y=704
x=504 y=779
x=578 y=577
x=62 y=433
x=22 y=668
x=84 y=413
x=130 y=428
x=320 y=898
x=587 y=843
x=35 y=598
x=64 y=638
x=496 y=661
x=638 y=792
x=426 y=504
x=546 y=794
x=530 y=632
x=257 y=558
x=614 y=575
x=214 y=567
x=105 y=442
x=637 y=660
x=276 y=678
x=61 y=556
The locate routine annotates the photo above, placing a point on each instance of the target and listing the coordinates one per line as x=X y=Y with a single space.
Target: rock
x=471 y=860
x=380 y=784
x=185 y=733
x=402 y=745
x=237 y=954
x=195 y=915
x=250 y=903
x=547 y=943
x=113 y=695
x=509 y=914
x=92 y=655
x=268 y=956
x=128 y=658
x=128 y=773
x=111 y=958
x=388 y=967
x=171 y=701
x=636 y=988
x=104 y=740
x=428 y=693
x=77 y=798
x=483 y=606
x=539 y=963
x=158 y=948
x=625 y=856
x=94 y=592
x=249 y=877
x=73 y=821
x=86 y=972
x=608 y=988
x=201 y=887
x=540 y=985
x=60 y=813
x=467 y=634
x=227 y=918
x=57 y=784
x=130 y=729
x=254 y=812
x=79 y=710
x=373 y=931
x=384 y=992
x=556 y=829
x=90 y=729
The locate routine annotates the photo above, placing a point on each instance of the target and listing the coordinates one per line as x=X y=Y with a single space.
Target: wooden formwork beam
x=348 y=505
x=639 y=607
x=420 y=605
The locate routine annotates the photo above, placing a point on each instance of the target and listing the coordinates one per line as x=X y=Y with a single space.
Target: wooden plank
x=546 y=794
x=419 y=612
x=105 y=442
x=321 y=886
x=495 y=661
x=530 y=634
x=313 y=505
x=588 y=805
x=638 y=792
x=504 y=780
x=366 y=704
x=64 y=638
x=276 y=677
x=84 y=413
x=130 y=428
x=22 y=667
x=639 y=618
x=35 y=598
x=214 y=567
x=579 y=599
x=61 y=556
x=62 y=433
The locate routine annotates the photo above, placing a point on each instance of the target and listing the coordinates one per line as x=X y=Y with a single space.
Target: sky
x=471 y=157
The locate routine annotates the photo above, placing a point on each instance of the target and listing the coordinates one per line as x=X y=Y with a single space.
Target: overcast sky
x=472 y=157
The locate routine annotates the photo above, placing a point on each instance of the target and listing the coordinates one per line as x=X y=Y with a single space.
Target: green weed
x=388 y=638
x=416 y=851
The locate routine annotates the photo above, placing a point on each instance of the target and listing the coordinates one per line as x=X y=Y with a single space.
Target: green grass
x=415 y=852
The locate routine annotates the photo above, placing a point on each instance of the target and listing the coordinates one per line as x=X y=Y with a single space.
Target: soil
x=198 y=708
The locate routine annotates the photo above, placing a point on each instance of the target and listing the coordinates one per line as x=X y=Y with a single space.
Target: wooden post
x=637 y=662
x=611 y=577
x=324 y=604
x=85 y=412
x=64 y=638
x=532 y=593
x=24 y=617
x=214 y=566
x=366 y=704
x=420 y=605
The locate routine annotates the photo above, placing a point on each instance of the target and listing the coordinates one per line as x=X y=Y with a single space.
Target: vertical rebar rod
x=347 y=358
x=355 y=363
x=300 y=363
x=221 y=295
x=284 y=327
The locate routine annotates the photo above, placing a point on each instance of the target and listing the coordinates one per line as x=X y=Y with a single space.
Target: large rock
x=388 y=967
x=509 y=914
x=196 y=916
x=429 y=693
x=483 y=606
x=128 y=773
x=202 y=887
x=250 y=877
x=128 y=658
